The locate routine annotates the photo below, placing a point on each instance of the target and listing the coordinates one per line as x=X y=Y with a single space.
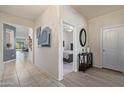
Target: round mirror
x=83 y=37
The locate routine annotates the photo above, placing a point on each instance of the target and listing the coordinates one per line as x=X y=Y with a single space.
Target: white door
x=113 y=48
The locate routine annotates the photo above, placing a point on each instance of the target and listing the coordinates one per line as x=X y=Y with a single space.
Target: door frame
x=13 y=28
x=33 y=37
x=101 y=42
x=60 y=65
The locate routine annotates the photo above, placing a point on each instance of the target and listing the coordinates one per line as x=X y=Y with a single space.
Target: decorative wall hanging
x=30 y=42
x=46 y=37
x=43 y=36
x=38 y=35
x=83 y=37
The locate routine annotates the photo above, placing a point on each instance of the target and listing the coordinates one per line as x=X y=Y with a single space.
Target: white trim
x=101 y=47
x=33 y=44
x=101 y=41
x=109 y=27
x=61 y=51
x=60 y=67
x=9 y=61
x=97 y=66
x=75 y=63
x=2 y=40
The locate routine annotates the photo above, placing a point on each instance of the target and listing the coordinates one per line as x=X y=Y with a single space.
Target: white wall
x=72 y=17
x=47 y=57
x=95 y=25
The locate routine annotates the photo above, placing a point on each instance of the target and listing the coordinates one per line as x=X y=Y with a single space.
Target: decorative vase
x=88 y=49
x=84 y=50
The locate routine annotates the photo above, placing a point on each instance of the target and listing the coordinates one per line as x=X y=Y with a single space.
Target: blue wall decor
x=38 y=35
x=44 y=36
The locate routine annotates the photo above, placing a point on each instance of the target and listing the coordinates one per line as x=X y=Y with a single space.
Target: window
x=19 y=45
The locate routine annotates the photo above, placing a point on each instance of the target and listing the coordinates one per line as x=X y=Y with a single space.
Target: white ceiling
x=25 y=11
x=33 y=11
x=21 y=31
x=91 y=11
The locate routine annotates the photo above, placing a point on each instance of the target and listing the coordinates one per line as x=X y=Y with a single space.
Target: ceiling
x=21 y=31
x=33 y=11
x=91 y=11
x=68 y=28
x=25 y=11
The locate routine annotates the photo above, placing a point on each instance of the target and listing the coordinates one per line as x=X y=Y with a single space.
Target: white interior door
x=113 y=48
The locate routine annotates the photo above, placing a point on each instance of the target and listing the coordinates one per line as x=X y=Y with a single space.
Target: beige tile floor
x=24 y=74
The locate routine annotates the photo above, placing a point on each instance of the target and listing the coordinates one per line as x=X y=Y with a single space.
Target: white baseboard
x=75 y=70
x=9 y=61
x=97 y=66
x=59 y=79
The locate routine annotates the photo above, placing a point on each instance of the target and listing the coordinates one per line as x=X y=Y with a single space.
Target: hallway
x=23 y=74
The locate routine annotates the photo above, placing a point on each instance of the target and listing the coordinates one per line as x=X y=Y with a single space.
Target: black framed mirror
x=83 y=37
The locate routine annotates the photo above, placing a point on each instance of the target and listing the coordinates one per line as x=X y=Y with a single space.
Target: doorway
x=9 y=51
x=67 y=48
x=23 y=50
x=113 y=48
x=21 y=42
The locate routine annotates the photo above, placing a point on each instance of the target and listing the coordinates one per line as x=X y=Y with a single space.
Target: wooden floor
x=24 y=74
x=94 y=77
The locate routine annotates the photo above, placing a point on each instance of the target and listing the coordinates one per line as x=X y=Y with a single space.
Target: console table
x=85 y=61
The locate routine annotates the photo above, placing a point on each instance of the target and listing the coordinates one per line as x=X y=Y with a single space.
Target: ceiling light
x=70 y=30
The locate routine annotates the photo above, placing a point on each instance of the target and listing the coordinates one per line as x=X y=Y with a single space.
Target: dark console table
x=85 y=61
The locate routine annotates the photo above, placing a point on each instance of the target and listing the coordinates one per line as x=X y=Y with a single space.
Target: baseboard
x=75 y=70
x=59 y=79
x=9 y=61
x=97 y=66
